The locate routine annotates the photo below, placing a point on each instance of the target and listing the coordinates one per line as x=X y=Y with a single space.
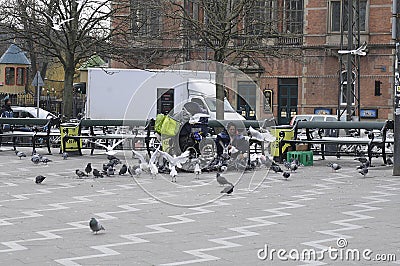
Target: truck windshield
x=211 y=102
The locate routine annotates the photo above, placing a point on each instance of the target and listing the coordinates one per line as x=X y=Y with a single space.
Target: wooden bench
x=370 y=142
x=33 y=128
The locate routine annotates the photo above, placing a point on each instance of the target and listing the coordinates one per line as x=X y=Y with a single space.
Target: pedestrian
x=6 y=111
x=233 y=140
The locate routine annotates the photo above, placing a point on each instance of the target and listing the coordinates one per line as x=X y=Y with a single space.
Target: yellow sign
x=71 y=144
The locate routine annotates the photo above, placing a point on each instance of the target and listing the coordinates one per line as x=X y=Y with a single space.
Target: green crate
x=304 y=157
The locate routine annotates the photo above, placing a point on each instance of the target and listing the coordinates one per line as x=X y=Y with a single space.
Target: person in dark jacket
x=230 y=138
x=6 y=111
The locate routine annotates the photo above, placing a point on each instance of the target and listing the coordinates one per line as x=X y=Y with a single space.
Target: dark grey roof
x=14 y=55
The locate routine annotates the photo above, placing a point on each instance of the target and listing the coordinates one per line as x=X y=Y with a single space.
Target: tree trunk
x=220 y=92
x=67 y=94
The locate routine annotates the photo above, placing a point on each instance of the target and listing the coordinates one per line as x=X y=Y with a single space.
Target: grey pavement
x=151 y=221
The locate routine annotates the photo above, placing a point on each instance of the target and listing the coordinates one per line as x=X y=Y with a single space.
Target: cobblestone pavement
x=151 y=221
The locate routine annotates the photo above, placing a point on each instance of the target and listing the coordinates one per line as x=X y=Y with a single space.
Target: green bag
x=170 y=127
x=158 y=123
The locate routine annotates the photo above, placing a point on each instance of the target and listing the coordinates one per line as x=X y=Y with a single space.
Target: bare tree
x=67 y=30
x=229 y=29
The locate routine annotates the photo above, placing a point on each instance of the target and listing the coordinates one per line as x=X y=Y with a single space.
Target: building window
x=336 y=8
x=259 y=20
x=10 y=76
x=146 y=18
x=293 y=21
x=21 y=76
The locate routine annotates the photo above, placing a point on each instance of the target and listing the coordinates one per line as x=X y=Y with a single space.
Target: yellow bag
x=158 y=123
x=170 y=127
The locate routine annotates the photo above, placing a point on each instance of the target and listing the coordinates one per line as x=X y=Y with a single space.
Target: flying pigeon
x=197 y=171
x=267 y=136
x=176 y=161
x=359 y=51
x=57 y=25
x=123 y=169
x=228 y=190
x=109 y=148
x=20 y=154
x=95 y=226
x=222 y=180
x=39 y=179
x=286 y=175
x=80 y=174
x=96 y=173
x=64 y=155
x=88 y=168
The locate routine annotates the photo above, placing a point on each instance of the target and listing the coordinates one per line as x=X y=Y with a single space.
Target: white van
x=320 y=118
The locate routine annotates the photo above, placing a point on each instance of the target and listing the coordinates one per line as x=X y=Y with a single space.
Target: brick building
x=312 y=29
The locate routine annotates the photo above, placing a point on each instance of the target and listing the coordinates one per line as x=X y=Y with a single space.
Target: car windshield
x=211 y=102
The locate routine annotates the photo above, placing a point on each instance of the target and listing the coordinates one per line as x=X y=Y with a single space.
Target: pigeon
x=228 y=190
x=96 y=173
x=255 y=134
x=361 y=51
x=39 y=179
x=20 y=154
x=176 y=161
x=123 y=169
x=88 y=168
x=173 y=173
x=286 y=175
x=45 y=160
x=334 y=166
x=95 y=226
x=109 y=149
x=222 y=180
x=56 y=25
x=293 y=167
x=197 y=171
x=64 y=155
x=286 y=164
x=363 y=165
x=110 y=171
x=79 y=173
x=276 y=168
x=389 y=161
x=35 y=159
x=363 y=171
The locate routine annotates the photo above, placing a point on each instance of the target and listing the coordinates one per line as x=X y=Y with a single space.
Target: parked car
x=31 y=112
x=313 y=118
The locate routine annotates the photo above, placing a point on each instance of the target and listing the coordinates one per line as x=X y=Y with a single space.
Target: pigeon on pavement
x=80 y=174
x=96 y=173
x=39 y=179
x=197 y=171
x=335 y=166
x=276 y=168
x=286 y=175
x=222 y=180
x=88 y=168
x=20 y=154
x=95 y=226
x=64 y=155
x=45 y=160
x=123 y=169
x=110 y=171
